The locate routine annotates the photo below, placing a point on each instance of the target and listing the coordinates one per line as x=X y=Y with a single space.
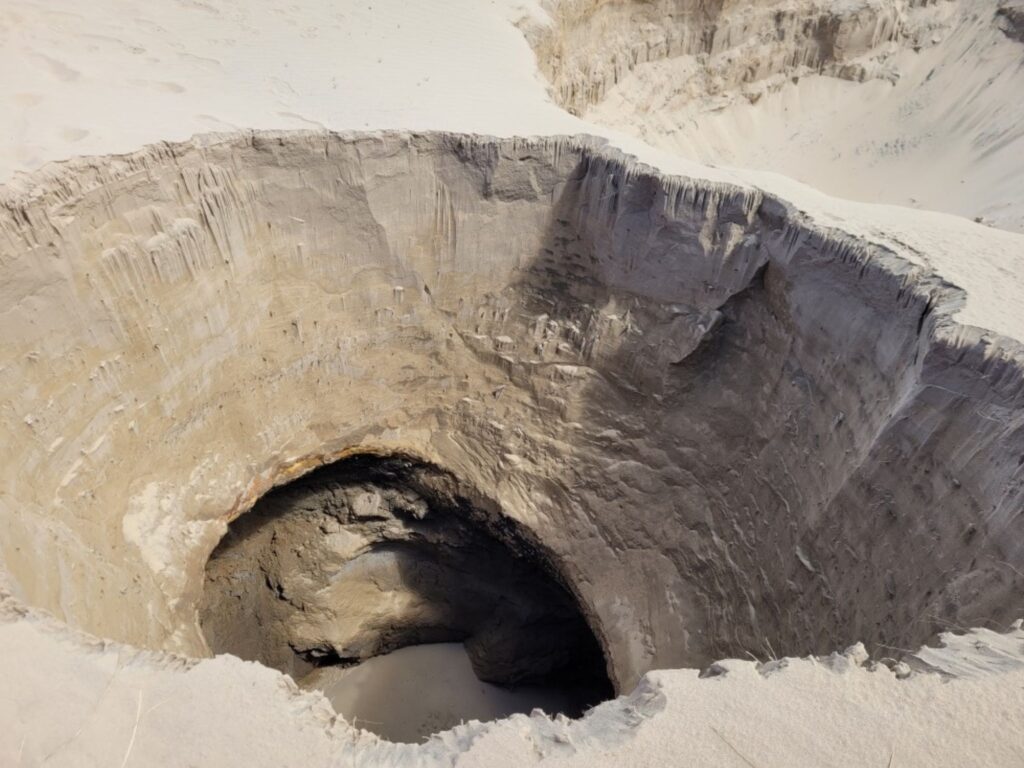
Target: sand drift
x=667 y=421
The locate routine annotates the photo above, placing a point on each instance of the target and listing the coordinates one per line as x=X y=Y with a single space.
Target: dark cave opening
x=372 y=554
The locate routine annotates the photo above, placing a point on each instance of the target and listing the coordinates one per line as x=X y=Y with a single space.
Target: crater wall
x=904 y=102
x=591 y=45
x=729 y=430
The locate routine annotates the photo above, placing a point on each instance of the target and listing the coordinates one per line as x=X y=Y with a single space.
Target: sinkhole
x=371 y=555
x=394 y=413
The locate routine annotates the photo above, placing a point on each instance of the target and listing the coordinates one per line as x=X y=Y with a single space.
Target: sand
x=83 y=704
x=412 y=693
x=118 y=75
x=939 y=127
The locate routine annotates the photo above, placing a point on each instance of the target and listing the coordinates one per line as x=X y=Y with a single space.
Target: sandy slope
x=114 y=75
x=940 y=127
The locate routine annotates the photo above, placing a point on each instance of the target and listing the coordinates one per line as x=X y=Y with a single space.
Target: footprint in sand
x=59 y=69
x=293 y=116
x=160 y=85
x=217 y=122
x=108 y=40
x=27 y=99
x=73 y=134
x=204 y=61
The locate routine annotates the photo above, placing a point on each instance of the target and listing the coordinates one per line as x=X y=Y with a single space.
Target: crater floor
x=377 y=695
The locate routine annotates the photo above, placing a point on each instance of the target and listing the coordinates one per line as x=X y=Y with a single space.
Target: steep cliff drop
x=310 y=398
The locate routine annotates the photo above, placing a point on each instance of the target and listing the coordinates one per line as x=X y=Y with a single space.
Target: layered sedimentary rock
x=731 y=430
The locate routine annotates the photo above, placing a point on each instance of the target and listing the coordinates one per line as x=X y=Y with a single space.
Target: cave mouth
x=382 y=580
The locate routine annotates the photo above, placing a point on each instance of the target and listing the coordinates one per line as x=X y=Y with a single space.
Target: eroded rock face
x=731 y=431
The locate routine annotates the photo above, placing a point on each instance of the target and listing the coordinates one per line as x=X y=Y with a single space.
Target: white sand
x=116 y=75
x=944 y=132
x=414 y=692
x=85 y=704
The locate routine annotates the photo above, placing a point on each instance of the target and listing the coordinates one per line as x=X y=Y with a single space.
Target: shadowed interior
x=372 y=554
